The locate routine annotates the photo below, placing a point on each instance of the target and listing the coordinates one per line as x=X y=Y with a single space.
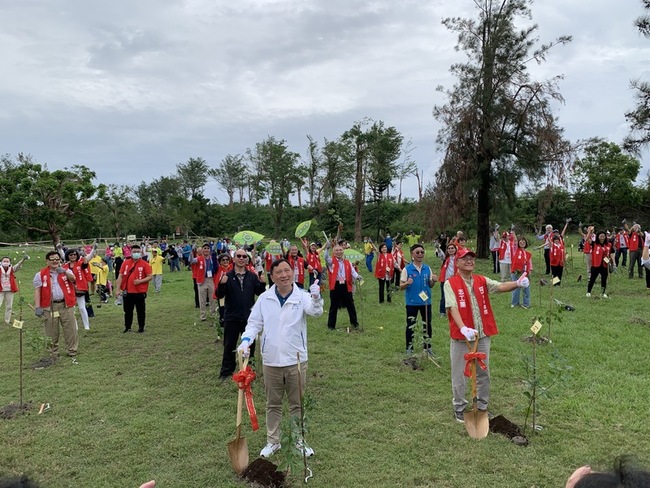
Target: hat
x=505 y=234
x=465 y=252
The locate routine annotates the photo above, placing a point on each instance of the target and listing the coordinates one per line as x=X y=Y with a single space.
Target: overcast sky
x=132 y=88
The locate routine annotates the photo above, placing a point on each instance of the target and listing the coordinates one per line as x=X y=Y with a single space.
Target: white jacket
x=284 y=329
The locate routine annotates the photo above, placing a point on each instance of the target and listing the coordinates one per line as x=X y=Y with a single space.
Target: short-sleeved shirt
x=450 y=299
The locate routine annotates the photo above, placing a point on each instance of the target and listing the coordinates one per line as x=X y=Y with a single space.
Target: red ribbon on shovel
x=244 y=378
x=471 y=356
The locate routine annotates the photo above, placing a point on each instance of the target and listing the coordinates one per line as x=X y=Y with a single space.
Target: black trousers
x=384 y=284
x=622 y=251
x=496 y=265
x=602 y=271
x=557 y=271
x=547 y=260
x=411 y=318
x=340 y=297
x=137 y=301
x=232 y=329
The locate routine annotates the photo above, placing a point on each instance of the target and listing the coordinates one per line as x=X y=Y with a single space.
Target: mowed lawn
x=150 y=406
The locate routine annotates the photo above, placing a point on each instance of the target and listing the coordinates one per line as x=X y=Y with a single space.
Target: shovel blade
x=477 y=424
x=238 y=453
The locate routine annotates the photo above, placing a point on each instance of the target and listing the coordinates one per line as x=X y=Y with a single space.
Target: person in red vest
x=635 y=244
x=225 y=265
x=204 y=273
x=602 y=255
x=621 y=244
x=384 y=270
x=135 y=275
x=447 y=270
x=268 y=261
x=297 y=263
x=557 y=254
x=521 y=263
x=314 y=265
x=341 y=277
x=54 y=297
x=471 y=318
x=8 y=284
x=399 y=262
x=83 y=276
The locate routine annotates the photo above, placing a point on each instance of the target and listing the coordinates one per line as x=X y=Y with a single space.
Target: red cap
x=465 y=252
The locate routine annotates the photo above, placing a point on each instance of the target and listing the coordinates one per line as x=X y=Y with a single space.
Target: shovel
x=238 y=447
x=477 y=423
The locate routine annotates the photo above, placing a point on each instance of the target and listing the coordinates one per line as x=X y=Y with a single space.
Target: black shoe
x=126 y=329
x=140 y=331
x=460 y=417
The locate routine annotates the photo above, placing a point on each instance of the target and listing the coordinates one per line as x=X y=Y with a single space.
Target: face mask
x=136 y=255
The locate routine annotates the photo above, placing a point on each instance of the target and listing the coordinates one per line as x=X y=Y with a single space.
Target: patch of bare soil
x=10 y=411
x=503 y=426
x=264 y=473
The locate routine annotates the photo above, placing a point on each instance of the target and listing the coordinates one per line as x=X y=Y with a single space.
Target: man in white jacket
x=280 y=314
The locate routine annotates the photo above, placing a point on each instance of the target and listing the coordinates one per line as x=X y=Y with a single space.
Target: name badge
x=209 y=274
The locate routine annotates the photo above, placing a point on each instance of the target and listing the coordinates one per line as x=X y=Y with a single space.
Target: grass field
x=144 y=406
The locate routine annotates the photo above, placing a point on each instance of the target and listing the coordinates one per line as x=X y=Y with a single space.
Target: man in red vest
x=133 y=283
x=8 y=284
x=204 y=273
x=471 y=318
x=341 y=276
x=54 y=301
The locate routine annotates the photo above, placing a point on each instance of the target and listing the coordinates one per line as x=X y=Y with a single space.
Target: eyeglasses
x=54 y=260
x=241 y=256
x=418 y=252
x=468 y=259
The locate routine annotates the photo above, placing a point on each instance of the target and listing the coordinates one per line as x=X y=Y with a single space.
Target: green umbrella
x=303 y=228
x=247 y=237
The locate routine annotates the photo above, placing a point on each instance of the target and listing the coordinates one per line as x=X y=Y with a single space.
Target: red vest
x=300 y=262
x=198 y=270
x=520 y=261
x=385 y=264
x=12 y=280
x=269 y=258
x=504 y=246
x=64 y=283
x=80 y=274
x=464 y=303
x=625 y=239
x=398 y=257
x=141 y=271
x=333 y=274
x=443 y=270
x=557 y=254
x=633 y=242
x=598 y=253
x=313 y=260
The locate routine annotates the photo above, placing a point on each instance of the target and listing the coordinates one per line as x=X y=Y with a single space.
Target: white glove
x=244 y=347
x=315 y=290
x=468 y=333
x=523 y=281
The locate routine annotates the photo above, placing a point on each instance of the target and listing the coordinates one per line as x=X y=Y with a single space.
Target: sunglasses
x=241 y=256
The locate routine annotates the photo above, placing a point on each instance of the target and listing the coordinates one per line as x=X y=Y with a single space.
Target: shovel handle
x=240 y=393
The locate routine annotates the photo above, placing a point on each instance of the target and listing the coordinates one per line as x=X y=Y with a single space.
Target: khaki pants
x=458 y=379
x=277 y=381
x=65 y=316
x=206 y=293
x=8 y=298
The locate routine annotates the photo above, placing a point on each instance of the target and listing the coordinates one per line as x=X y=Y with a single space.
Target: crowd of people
x=266 y=295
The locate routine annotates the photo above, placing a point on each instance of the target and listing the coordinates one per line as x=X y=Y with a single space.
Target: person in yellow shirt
x=368 y=250
x=156 y=262
x=99 y=269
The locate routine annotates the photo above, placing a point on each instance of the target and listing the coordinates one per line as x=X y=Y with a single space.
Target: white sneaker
x=605 y=295
x=304 y=448
x=269 y=450
x=588 y=295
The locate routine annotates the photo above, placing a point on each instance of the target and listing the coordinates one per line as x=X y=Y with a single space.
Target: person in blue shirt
x=417 y=280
